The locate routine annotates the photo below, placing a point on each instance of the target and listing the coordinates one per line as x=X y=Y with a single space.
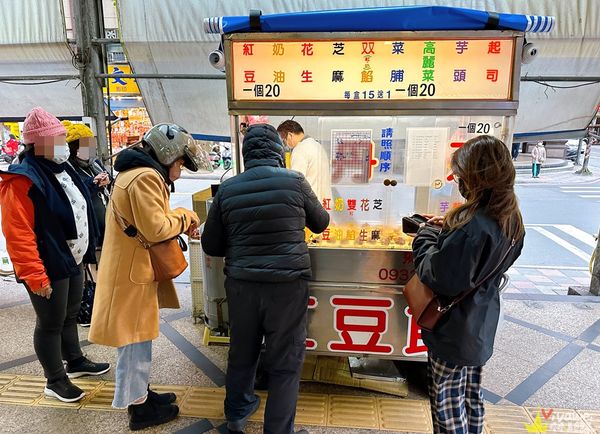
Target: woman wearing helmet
x=127 y=301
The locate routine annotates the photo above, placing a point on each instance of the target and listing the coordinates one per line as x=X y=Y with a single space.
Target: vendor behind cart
x=308 y=157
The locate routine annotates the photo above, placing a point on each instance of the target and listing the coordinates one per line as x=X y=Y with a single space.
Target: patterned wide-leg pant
x=456 y=398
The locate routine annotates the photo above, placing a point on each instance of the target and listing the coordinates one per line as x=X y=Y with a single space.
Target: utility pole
x=87 y=19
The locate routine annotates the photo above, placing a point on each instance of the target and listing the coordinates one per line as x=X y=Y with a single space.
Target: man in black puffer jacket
x=257 y=223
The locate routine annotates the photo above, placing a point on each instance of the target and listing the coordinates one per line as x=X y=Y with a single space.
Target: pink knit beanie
x=40 y=123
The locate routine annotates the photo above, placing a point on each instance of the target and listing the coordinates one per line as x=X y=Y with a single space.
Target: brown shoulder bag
x=166 y=257
x=425 y=305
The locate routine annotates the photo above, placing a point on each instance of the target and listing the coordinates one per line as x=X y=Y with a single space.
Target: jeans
x=55 y=337
x=535 y=169
x=515 y=150
x=133 y=372
x=277 y=312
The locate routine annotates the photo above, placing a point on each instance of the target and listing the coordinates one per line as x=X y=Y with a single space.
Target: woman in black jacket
x=82 y=157
x=470 y=252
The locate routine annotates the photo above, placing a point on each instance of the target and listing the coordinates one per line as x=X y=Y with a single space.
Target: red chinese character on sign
x=351 y=205
x=249 y=77
x=306 y=76
x=414 y=341
x=408 y=258
x=492 y=75
x=327 y=204
x=364 y=204
x=361 y=323
x=368 y=48
x=307 y=49
x=326 y=235
x=248 y=50
x=494 y=47
x=311 y=344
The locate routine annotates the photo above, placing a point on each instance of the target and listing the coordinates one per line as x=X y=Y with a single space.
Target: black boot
x=161 y=398
x=150 y=414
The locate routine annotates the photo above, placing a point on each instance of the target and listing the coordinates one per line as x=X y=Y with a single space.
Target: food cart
x=390 y=108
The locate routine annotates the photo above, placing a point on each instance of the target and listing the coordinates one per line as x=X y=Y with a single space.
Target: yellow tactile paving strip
x=506 y=419
x=592 y=418
x=335 y=411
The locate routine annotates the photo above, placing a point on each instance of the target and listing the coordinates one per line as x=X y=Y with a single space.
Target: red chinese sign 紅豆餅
x=363 y=324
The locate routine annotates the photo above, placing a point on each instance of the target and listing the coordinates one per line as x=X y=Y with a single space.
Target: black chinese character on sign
x=471 y=128
x=259 y=90
x=338 y=48
x=377 y=204
x=397 y=47
x=413 y=90
x=337 y=76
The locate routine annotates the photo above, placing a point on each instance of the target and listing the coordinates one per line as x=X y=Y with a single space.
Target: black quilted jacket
x=258 y=217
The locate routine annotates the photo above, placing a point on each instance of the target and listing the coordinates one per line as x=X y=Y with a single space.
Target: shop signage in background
x=373 y=69
x=13 y=127
x=121 y=85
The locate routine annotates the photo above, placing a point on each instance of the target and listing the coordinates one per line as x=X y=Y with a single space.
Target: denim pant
x=277 y=312
x=55 y=337
x=133 y=371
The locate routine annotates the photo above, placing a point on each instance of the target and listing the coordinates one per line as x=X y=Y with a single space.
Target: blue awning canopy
x=399 y=18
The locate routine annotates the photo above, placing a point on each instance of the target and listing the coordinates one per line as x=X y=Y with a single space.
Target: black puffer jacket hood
x=138 y=157
x=262 y=147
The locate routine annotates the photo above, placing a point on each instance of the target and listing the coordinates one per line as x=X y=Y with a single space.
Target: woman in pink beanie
x=50 y=230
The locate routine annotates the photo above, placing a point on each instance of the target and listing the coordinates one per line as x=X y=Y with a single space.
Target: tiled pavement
x=539 y=280
x=546 y=355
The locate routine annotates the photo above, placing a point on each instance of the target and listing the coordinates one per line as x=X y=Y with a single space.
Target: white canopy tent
x=168 y=40
x=33 y=42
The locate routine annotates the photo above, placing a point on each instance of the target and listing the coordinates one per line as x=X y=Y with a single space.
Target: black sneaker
x=161 y=398
x=237 y=426
x=150 y=414
x=63 y=390
x=83 y=366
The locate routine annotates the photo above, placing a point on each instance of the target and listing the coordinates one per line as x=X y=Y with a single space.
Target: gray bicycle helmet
x=170 y=142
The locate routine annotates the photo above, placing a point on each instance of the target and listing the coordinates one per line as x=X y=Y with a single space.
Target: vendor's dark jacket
x=452 y=262
x=258 y=217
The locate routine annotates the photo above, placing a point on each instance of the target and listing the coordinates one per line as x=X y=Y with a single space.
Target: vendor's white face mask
x=61 y=153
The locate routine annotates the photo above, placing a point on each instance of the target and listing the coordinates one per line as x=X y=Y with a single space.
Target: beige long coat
x=127 y=300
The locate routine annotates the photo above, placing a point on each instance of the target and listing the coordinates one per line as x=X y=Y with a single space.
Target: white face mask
x=61 y=154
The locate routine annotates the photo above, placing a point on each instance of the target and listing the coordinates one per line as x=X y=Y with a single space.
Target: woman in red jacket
x=50 y=230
